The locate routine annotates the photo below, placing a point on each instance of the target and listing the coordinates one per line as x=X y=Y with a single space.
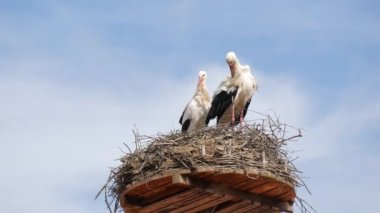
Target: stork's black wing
x=220 y=103
x=185 y=125
x=246 y=107
x=180 y=119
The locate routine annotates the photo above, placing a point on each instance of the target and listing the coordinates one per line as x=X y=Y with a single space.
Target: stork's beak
x=232 y=68
x=200 y=79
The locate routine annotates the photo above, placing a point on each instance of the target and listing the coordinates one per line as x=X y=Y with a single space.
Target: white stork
x=194 y=115
x=233 y=96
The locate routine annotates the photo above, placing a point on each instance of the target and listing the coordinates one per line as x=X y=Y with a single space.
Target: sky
x=77 y=76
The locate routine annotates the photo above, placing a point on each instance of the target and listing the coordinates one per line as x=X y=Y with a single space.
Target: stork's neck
x=235 y=69
x=202 y=92
x=201 y=85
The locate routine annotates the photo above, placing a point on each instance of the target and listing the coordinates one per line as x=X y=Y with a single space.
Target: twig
x=127 y=147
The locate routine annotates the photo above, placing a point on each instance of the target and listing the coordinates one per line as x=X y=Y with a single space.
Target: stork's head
x=202 y=76
x=232 y=61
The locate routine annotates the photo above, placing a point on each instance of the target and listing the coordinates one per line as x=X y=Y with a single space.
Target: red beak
x=232 y=70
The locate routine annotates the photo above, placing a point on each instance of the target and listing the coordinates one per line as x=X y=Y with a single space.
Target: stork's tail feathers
x=185 y=126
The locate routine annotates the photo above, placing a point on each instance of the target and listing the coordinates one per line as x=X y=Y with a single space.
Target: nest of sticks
x=259 y=145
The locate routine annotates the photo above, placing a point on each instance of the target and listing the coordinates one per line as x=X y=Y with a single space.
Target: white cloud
x=54 y=136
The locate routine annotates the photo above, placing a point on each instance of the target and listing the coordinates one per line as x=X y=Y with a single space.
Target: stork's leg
x=233 y=116
x=242 y=117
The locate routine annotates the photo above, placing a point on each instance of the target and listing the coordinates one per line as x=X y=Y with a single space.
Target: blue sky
x=75 y=76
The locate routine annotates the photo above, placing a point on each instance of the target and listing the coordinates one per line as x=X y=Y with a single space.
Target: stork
x=195 y=113
x=233 y=96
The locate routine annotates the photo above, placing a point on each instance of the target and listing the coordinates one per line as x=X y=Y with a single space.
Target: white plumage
x=233 y=96
x=195 y=113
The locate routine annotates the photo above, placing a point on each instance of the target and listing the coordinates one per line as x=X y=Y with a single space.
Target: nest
x=260 y=145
